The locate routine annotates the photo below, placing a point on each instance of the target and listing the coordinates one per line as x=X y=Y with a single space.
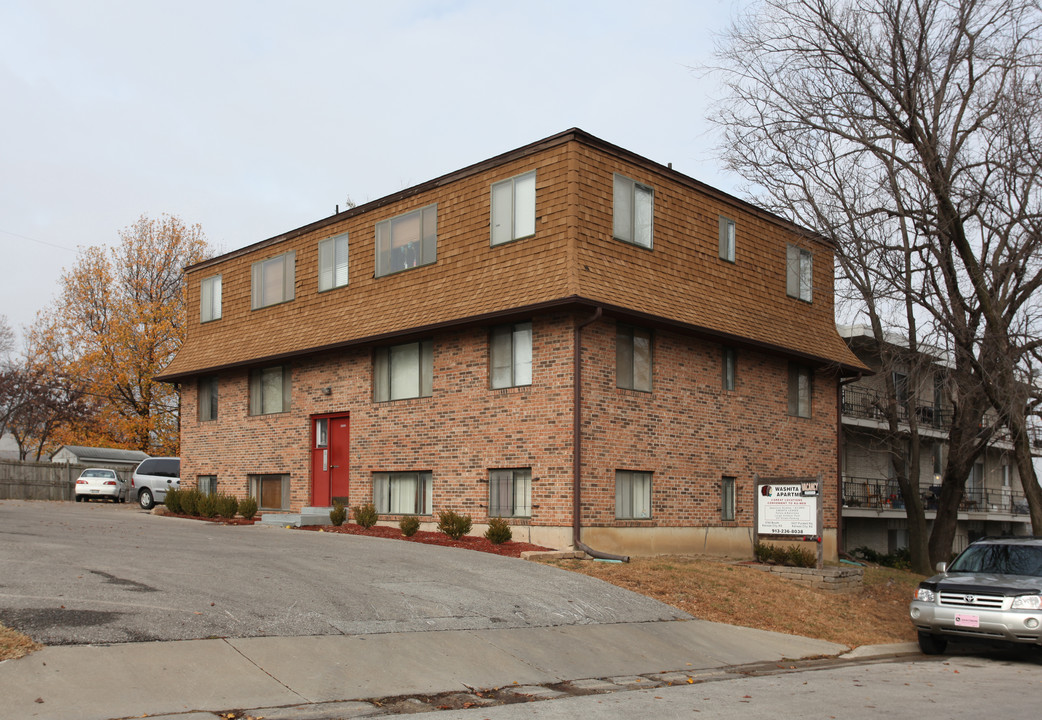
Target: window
x=513 y=208
x=403 y=371
x=407 y=241
x=207 y=398
x=210 y=299
x=726 y=239
x=510 y=493
x=632 y=495
x=633 y=358
x=727 y=498
x=901 y=390
x=1005 y=475
x=269 y=390
x=799 y=390
x=799 y=273
x=510 y=355
x=634 y=210
x=730 y=366
x=207 y=484
x=270 y=491
x=402 y=493
x=273 y=280
x=332 y=262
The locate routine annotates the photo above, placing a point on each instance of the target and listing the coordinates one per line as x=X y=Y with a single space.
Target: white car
x=101 y=483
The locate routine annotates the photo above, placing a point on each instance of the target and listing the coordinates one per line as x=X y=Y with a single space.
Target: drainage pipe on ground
x=577 y=417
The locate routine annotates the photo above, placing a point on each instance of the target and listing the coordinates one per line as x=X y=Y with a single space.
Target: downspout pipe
x=577 y=460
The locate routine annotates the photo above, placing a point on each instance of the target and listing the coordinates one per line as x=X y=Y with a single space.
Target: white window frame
x=403 y=371
x=632 y=495
x=512 y=209
x=416 y=248
x=210 y=299
x=629 y=361
x=270 y=390
x=273 y=280
x=801 y=390
x=633 y=216
x=510 y=355
x=333 y=262
x=799 y=273
x=207 y=397
x=727 y=239
x=510 y=492
x=391 y=500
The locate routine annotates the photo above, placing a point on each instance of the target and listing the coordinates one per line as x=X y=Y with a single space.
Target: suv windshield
x=1000 y=559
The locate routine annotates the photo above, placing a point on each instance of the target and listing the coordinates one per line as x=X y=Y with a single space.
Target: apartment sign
x=787 y=508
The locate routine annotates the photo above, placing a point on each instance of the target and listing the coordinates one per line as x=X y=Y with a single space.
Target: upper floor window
x=273 y=280
x=730 y=367
x=634 y=211
x=633 y=358
x=799 y=390
x=510 y=493
x=799 y=273
x=210 y=299
x=332 y=262
x=207 y=398
x=510 y=355
x=726 y=239
x=407 y=241
x=403 y=371
x=269 y=390
x=513 y=208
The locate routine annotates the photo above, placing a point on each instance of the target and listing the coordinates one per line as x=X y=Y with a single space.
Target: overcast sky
x=252 y=118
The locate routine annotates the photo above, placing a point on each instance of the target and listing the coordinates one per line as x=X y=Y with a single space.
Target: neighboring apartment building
x=422 y=352
x=873 y=510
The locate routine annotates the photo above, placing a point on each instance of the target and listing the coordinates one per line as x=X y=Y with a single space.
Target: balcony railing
x=871 y=404
x=886 y=495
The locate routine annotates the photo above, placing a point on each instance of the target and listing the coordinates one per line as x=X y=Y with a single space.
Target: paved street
x=73 y=573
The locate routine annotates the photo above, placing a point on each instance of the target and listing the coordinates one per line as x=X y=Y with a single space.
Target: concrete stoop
x=306 y=516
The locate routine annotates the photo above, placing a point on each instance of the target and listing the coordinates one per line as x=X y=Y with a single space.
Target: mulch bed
x=467 y=542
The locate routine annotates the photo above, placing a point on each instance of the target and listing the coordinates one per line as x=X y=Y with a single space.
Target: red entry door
x=330 y=443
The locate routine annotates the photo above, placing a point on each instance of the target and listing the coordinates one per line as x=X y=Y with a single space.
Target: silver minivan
x=152 y=478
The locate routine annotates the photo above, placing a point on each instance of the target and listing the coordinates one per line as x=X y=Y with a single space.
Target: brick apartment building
x=422 y=352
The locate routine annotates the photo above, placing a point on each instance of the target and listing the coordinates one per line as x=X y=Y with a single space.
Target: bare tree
x=908 y=129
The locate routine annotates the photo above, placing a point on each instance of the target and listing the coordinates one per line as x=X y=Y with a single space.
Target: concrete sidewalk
x=275 y=677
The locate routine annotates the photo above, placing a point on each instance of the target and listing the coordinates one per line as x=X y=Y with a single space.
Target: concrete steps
x=306 y=516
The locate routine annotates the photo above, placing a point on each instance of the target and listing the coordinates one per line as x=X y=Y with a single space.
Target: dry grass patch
x=15 y=645
x=741 y=595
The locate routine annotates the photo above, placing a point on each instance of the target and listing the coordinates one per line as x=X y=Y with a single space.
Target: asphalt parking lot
x=78 y=573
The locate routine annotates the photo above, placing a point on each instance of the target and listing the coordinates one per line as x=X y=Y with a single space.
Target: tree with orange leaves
x=118 y=321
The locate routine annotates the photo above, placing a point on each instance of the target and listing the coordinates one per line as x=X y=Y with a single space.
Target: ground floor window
x=402 y=493
x=270 y=491
x=727 y=498
x=632 y=495
x=207 y=484
x=510 y=493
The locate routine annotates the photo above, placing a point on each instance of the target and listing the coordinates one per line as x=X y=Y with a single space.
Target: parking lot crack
x=252 y=662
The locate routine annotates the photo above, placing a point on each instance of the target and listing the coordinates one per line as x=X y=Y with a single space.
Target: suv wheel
x=932 y=644
x=146 y=500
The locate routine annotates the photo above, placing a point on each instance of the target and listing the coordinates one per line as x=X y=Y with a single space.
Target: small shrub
x=206 y=506
x=173 y=501
x=793 y=556
x=901 y=559
x=227 y=505
x=800 y=557
x=409 y=525
x=498 y=531
x=453 y=524
x=248 y=507
x=365 y=515
x=338 y=514
x=190 y=501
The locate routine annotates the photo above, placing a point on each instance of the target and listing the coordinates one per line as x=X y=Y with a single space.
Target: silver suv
x=152 y=478
x=992 y=591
